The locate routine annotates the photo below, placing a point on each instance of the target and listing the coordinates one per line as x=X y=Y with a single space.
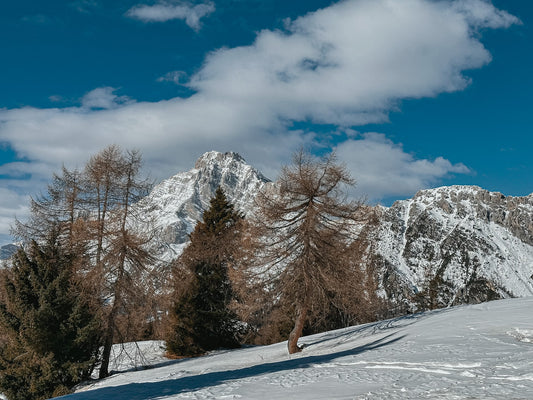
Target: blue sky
x=410 y=93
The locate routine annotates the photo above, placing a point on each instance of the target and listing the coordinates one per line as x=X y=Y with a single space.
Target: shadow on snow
x=149 y=390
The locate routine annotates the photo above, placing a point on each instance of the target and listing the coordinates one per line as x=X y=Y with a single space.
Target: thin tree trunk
x=110 y=333
x=297 y=331
x=108 y=344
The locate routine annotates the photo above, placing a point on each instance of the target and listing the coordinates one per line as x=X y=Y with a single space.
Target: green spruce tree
x=201 y=318
x=50 y=339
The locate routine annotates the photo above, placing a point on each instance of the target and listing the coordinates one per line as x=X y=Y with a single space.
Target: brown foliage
x=304 y=260
x=93 y=210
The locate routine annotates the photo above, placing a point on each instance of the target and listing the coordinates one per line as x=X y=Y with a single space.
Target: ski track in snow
x=469 y=352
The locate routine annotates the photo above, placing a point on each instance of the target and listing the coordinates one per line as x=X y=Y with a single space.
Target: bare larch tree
x=113 y=185
x=306 y=227
x=93 y=210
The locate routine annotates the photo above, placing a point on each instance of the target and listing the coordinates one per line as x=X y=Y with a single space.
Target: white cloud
x=481 y=14
x=346 y=65
x=55 y=98
x=178 y=77
x=164 y=11
x=104 y=98
x=383 y=169
x=12 y=205
x=350 y=63
x=84 y=6
x=38 y=19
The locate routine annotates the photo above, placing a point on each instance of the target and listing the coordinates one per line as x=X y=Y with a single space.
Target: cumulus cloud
x=351 y=63
x=345 y=65
x=164 y=11
x=383 y=169
x=481 y=14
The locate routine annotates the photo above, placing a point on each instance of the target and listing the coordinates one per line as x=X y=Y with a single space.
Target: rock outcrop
x=456 y=244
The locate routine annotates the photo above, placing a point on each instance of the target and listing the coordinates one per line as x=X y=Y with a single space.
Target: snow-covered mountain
x=7 y=251
x=469 y=352
x=175 y=205
x=451 y=245
x=458 y=244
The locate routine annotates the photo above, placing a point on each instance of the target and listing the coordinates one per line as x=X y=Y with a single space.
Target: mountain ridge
x=470 y=243
x=444 y=246
x=463 y=243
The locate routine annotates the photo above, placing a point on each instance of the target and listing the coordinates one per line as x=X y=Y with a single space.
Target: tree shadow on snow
x=354 y=332
x=169 y=387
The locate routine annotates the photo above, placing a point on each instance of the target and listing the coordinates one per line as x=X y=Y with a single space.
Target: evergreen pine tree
x=50 y=339
x=201 y=319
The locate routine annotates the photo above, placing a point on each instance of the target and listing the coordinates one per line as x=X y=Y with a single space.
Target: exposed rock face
x=177 y=203
x=457 y=244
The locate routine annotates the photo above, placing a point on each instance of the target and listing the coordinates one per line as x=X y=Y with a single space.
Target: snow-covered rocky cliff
x=458 y=244
x=176 y=204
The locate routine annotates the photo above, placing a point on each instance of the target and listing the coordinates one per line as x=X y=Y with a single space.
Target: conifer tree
x=201 y=318
x=50 y=336
x=92 y=210
x=120 y=256
x=302 y=252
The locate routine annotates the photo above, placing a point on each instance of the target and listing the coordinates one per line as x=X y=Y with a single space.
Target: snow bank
x=482 y=351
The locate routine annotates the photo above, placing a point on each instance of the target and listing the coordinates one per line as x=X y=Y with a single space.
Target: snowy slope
x=468 y=352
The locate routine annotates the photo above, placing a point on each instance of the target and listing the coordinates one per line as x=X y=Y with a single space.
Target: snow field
x=469 y=352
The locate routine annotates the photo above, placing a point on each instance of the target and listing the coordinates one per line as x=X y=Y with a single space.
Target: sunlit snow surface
x=470 y=352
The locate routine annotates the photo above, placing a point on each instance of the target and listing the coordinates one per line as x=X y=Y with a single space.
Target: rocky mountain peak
x=177 y=204
x=217 y=158
x=512 y=213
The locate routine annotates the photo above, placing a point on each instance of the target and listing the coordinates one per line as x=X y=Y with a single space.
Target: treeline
x=84 y=279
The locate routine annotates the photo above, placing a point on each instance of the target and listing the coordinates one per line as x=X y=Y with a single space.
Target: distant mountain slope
x=7 y=251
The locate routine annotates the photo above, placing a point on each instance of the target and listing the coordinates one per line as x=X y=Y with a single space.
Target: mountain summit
x=176 y=204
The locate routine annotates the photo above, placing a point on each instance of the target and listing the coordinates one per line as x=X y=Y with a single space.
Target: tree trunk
x=296 y=332
x=110 y=332
x=108 y=344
